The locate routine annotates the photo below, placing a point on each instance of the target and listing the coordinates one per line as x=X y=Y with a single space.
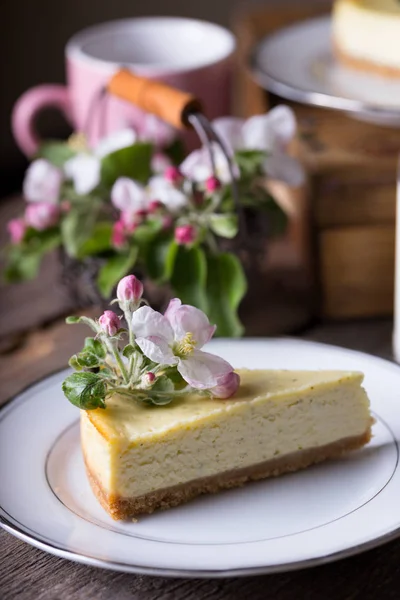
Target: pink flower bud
x=118 y=237
x=130 y=290
x=16 y=228
x=173 y=174
x=155 y=206
x=185 y=234
x=109 y=322
x=42 y=215
x=227 y=386
x=212 y=184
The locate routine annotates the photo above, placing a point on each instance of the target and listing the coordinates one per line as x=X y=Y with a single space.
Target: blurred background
x=33 y=34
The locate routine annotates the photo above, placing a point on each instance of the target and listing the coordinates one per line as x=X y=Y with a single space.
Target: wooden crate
x=352 y=174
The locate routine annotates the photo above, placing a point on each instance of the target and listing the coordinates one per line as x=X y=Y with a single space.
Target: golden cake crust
x=125 y=508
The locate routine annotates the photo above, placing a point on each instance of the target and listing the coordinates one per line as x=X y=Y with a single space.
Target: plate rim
x=42 y=544
x=292 y=92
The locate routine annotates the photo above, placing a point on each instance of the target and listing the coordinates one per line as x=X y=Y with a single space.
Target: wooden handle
x=167 y=103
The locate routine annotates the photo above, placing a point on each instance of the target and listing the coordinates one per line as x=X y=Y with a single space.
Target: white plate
x=325 y=512
x=298 y=63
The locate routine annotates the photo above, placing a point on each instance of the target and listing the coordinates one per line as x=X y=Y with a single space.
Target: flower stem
x=120 y=363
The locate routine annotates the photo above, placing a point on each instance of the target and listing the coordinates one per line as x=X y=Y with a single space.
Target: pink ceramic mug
x=194 y=56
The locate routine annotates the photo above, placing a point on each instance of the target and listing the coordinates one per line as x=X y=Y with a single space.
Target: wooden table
x=27 y=573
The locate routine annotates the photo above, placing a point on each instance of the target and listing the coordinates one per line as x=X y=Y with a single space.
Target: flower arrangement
x=160 y=361
x=134 y=203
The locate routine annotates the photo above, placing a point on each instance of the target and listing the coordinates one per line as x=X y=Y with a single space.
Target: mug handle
x=27 y=108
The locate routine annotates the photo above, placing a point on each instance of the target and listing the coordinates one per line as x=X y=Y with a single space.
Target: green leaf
x=250 y=162
x=226 y=286
x=74 y=364
x=77 y=228
x=160 y=259
x=133 y=161
x=95 y=346
x=277 y=217
x=128 y=350
x=156 y=400
x=224 y=225
x=55 y=152
x=21 y=266
x=114 y=269
x=99 y=241
x=145 y=233
x=88 y=360
x=176 y=151
x=173 y=374
x=72 y=320
x=162 y=384
x=23 y=260
x=189 y=276
x=85 y=390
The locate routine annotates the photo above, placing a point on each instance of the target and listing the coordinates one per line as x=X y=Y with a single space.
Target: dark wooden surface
x=27 y=573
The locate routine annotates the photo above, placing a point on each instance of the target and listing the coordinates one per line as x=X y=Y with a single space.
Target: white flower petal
x=284 y=168
x=188 y=319
x=230 y=130
x=128 y=195
x=282 y=123
x=173 y=306
x=160 y=162
x=197 y=166
x=203 y=370
x=159 y=188
x=257 y=134
x=156 y=349
x=115 y=141
x=42 y=182
x=147 y=322
x=84 y=170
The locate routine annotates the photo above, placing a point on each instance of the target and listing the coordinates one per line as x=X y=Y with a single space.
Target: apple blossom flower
x=128 y=195
x=197 y=165
x=269 y=133
x=227 y=386
x=16 y=229
x=129 y=292
x=84 y=169
x=109 y=322
x=176 y=338
x=159 y=162
x=185 y=234
x=42 y=215
x=163 y=190
x=42 y=182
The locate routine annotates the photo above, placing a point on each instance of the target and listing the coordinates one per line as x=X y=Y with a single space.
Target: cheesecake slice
x=366 y=35
x=140 y=458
